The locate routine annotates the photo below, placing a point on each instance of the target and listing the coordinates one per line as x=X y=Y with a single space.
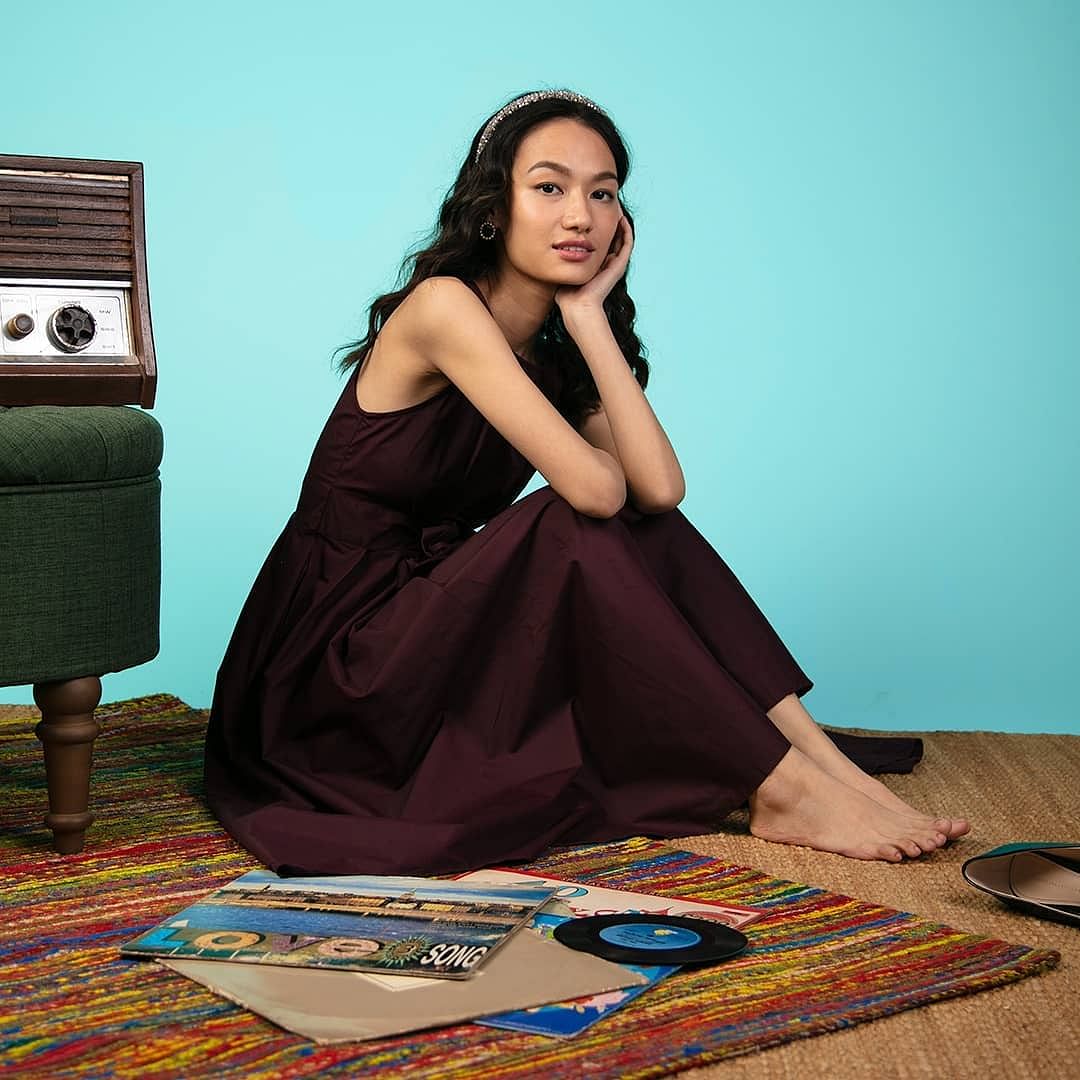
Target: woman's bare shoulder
x=445 y=285
x=396 y=373
x=439 y=297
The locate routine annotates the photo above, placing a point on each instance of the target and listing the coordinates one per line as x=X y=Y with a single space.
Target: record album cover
x=397 y=925
x=566 y=1019
x=346 y=1006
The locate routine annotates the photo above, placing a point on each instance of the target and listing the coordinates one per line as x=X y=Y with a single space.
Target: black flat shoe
x=1039 y=879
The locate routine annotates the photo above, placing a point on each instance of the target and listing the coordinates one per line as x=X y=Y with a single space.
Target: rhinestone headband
x=528 y=99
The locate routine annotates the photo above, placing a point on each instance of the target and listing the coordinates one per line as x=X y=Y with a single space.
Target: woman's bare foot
x=802 y=731
x=800 y=803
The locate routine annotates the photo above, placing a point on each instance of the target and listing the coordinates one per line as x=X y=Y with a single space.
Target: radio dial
x=72 y=328
x=18 y=326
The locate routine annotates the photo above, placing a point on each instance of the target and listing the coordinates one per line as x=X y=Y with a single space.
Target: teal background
x=857 y=268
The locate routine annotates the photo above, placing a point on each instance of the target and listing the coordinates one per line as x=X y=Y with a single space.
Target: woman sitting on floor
x=405 y=694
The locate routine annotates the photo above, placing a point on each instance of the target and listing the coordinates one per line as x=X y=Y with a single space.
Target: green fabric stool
x=80 y=575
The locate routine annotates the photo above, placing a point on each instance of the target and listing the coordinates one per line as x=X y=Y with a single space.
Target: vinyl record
x=651 y=939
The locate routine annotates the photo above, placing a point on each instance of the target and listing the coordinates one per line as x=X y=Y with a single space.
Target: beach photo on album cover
x=417 y=926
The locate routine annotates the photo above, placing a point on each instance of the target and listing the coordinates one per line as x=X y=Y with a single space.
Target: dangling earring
x=487 y=236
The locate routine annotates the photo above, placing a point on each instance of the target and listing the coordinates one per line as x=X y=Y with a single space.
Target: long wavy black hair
x=456 y=249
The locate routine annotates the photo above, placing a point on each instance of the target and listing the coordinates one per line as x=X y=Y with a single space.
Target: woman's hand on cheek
x=584 y=301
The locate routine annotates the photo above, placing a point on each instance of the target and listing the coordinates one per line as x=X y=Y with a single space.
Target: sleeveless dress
x=404 y=694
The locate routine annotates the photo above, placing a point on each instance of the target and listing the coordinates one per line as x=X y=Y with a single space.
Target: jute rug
x=823 y=960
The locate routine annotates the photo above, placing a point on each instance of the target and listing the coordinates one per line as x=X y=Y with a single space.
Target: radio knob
x=18 y=326
x=72 y=328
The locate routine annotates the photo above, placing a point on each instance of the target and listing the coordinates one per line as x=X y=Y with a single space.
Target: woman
x=405 y=695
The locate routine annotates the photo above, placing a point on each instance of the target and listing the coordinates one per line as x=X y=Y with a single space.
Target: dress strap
x=476 y=289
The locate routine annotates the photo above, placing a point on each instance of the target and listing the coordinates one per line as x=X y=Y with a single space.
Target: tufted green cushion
x=80 y=545
x=48 y=444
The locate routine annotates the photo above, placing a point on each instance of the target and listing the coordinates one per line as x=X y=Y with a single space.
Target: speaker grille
x=58 y=223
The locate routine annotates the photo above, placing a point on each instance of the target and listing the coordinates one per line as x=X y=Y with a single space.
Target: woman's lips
x=573 y=254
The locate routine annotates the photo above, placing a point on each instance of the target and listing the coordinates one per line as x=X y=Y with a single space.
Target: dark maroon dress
x=403 y=695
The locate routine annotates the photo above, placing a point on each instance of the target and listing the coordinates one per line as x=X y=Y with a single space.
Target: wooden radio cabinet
x=74 y=302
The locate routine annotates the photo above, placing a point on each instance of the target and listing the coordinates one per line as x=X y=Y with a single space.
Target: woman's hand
x=585 y=301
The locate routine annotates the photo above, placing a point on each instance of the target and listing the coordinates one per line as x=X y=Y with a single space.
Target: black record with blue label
x=651 y=939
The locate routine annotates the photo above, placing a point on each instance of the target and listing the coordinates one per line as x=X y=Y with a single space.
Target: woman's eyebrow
x=566 y=172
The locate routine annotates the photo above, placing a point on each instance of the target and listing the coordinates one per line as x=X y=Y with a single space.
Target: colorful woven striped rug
x=70 y=1006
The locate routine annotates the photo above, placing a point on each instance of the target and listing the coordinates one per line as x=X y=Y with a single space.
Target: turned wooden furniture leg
x=67 y=731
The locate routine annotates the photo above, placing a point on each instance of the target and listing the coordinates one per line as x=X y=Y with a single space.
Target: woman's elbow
x=606 y=499
x=661 y=504
x=607 y=494
x=607 y=506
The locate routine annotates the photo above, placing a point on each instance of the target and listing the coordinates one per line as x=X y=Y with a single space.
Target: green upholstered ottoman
x=80 y=575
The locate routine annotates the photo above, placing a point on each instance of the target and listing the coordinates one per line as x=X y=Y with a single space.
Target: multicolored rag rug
x=70 y=1006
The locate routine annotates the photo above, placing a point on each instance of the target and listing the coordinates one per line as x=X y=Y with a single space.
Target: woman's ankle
x=782 y=785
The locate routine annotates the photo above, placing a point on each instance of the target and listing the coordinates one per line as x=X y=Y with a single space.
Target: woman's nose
x=576 y=211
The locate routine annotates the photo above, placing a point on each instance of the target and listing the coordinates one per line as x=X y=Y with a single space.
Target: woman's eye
x=549 y=184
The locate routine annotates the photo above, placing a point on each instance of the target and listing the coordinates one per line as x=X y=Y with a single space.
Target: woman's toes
x=952 y=827
x=910 y=847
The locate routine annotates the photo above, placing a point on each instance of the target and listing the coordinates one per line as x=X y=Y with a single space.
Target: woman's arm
x=448 y=326
x=626 y=426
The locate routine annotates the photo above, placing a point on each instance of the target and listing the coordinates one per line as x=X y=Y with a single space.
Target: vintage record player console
x=74 y=304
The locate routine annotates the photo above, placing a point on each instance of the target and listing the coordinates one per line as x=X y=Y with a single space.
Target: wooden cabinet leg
x=67 y=731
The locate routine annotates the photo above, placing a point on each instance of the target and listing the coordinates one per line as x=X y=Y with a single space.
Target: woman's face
x=563 y=188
